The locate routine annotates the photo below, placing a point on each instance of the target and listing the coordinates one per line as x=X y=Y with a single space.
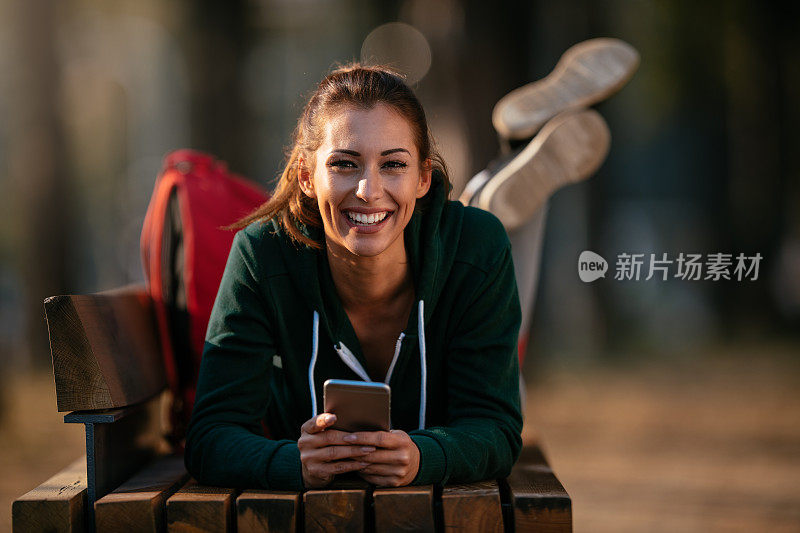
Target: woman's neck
x=368 y=282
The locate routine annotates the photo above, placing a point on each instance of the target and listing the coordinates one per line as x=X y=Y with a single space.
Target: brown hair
x=356 y=85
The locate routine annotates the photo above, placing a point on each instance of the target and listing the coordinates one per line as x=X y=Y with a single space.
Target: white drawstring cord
x=423 y=365
x=397 y=347
x=350 y=360
x=314 y=346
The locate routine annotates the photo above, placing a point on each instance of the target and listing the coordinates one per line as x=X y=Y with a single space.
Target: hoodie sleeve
x=225 y=445
x=482 y=437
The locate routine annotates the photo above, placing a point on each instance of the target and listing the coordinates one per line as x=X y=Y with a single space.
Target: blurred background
x=662 y=405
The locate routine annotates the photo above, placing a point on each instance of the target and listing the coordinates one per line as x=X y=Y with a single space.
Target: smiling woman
x=359 y=267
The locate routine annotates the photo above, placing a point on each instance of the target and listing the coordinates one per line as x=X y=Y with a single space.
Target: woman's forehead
x=377 y=129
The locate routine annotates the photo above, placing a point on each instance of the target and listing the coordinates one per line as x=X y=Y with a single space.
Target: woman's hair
x=351 y=85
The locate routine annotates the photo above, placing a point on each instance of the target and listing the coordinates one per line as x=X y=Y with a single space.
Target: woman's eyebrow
x=385 y=152
x=393 y=150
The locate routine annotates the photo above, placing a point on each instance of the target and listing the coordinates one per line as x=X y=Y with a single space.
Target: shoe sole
x=568 y=149
x=587 y=73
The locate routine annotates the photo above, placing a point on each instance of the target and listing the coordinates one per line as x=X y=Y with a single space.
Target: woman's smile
x=365 y=220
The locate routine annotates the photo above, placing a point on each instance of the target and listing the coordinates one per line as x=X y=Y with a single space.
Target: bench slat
x=472 y=507
x=58 y=504
x=334 y=510
x=198 y=507
x=539 y=500
x=104 y=348
x=138 y=504
x=404 y=509
x=269 y=511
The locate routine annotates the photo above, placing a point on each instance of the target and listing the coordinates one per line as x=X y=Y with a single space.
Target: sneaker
x=476 y=184
x=569 y=148
x=587 y=73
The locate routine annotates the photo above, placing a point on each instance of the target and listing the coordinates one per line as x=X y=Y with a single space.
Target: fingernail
x=349 y=438
x=367 y=449
x=362 y=463
x=330 y=418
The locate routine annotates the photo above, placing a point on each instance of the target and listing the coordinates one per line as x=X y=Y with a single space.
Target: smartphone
x=358 y=405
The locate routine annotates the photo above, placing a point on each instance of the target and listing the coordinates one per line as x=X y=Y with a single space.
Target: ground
x=708 y=444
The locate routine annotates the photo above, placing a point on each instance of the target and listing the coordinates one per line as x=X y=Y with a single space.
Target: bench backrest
x=104 y=348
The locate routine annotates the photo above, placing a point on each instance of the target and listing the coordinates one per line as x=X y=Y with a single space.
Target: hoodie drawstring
x=423 y=398
x=350 y=360
x=314 y=347
x=397 y=347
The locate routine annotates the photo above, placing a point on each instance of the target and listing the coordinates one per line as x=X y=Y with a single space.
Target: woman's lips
x=366 y=220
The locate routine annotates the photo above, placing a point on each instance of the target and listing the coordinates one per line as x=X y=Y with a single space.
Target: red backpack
x=184 y=252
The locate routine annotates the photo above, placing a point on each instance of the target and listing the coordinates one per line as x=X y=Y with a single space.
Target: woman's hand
x=395 y=462
x=325 y=452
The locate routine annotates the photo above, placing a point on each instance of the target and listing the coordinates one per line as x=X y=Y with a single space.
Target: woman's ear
x=425 y=175
x=304 y=179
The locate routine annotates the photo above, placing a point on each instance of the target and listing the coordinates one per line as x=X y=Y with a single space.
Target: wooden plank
x=404 y=509
x=139 y=503
x=268 y=511
x=472 y=507
x=334 y=510
x=539 y=500
x=105 y=349
x=198 y=507
x=58 y=504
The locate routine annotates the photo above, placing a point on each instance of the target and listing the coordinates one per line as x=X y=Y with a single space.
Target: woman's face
x=366 y=179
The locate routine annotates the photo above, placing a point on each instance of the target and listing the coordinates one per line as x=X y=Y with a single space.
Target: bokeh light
x=401 y=46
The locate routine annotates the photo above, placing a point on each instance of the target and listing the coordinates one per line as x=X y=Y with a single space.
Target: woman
x=360 y=268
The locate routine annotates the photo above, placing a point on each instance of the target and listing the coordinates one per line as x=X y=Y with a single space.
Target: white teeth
x=363 y=218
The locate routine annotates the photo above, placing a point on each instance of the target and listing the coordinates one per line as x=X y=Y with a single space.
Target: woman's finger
x=390 y=457
x=381 y=481
x=329 y=437
x=326 y=470
x=379 y=439
x=334 y=453
x=318 y=423
x=384 y=470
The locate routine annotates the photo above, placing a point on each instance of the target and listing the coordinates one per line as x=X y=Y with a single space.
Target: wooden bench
x=109 y=376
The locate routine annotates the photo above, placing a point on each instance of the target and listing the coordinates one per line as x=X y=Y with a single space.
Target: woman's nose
x=370 y=186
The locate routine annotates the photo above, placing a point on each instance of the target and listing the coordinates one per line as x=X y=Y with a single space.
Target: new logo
x=591 y=266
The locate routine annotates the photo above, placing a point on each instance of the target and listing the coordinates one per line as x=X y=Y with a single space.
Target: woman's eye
x=395 y=164
x=341 y=163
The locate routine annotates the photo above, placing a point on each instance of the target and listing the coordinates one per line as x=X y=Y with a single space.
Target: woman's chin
x=365 y=247
x=369 y=244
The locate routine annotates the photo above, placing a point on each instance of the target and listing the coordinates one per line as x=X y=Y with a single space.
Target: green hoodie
x=277 y=320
